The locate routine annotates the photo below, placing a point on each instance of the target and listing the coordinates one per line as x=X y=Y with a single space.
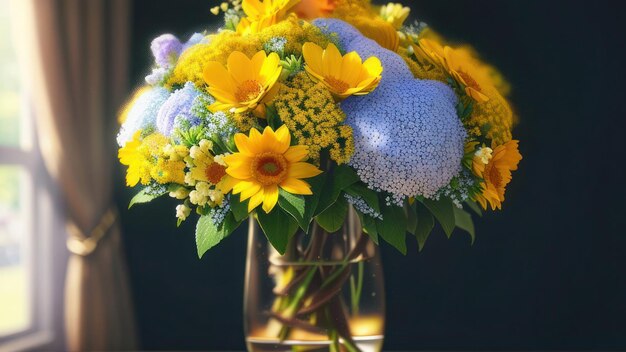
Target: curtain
x=75 y=55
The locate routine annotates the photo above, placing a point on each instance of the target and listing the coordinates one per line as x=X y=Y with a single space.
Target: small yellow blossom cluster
x=311 y=114
x=206 y=173
x=496 y=114
x=153 y=158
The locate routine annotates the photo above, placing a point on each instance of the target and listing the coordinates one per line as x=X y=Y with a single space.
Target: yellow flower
x=377 y=29
x=343 y=76
x=244 y=84
x=206 y=167
x=148 y=159
x=262 y=14
x=266 y=162
x=461 y=67
x=497 y=174
x=138 y=166
x=395 y=14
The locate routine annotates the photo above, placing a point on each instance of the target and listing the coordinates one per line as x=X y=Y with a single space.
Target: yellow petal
x=373 y=66
x=295 y=186
x=351 y=68
x=302 y=170
x=240 y=170
x=283 y=137
x=217 y=76
x=296 y=153
x=331 y=60
x=226 y=184
x=312 y=54
x=270 y=198
x=243 y=146
x=256 y=200
x=239 y=67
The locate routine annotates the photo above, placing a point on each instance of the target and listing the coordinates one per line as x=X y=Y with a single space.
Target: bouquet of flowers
x=293 y=111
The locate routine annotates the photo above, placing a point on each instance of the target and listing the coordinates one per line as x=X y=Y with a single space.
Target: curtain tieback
x=82 y=245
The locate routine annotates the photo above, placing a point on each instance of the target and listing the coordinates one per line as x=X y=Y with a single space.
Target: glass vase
x=326 y=293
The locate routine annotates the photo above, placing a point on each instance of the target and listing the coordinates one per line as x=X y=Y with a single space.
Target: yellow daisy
x=244 y=84
x=497 y=174
x=342 y=75
x=206 y=167
x=266 y=162
x=460 y=66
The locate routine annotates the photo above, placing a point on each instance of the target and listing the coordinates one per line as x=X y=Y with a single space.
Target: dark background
x=546 y=272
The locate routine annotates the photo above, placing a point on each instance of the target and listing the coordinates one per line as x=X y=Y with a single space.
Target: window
x=25 y=212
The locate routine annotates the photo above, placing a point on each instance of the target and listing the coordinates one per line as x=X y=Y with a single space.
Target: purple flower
x=166 y=49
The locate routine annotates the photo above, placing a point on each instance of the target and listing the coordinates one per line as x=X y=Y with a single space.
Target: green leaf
x=360 y=190
x=393 y=227
x=278 y=227
x=411 y=217
x=443 y=211
x=317 y=185
x=144 y=197
x=238 y=208
x=332 y=218
x=464 y=221
x=425 y=224
x=474 y=206
x=342 y=178
x=208 y=235
x=294 y=205
x=369 y=226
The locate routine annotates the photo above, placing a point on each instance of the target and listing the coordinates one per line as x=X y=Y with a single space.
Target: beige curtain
x=75 y=56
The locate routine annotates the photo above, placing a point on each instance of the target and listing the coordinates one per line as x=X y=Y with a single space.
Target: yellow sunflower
x=342 y=75
x=497 y=174
x=460 y=66
x=244 y=84
x=209 y=168
x=266 y=162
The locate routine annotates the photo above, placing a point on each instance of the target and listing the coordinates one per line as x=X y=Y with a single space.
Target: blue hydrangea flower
x=178 y=107
x=408 y=139
x=142 y=114
x=195 y=38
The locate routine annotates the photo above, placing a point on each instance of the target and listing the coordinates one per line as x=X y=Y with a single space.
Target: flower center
x=337 y=85
x=269 y=168
x=248 y=90
x=494 y=175
x=214 y=172
x=469 y=81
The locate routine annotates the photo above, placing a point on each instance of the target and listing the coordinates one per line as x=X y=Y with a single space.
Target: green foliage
x=344 y=176
x=369 y=226
x=393 y=227
x=360 y=190
x=208 y=235
x=150 y=193
x=474 y=207
x=443 y=211
x=425 y=224
x=294 y=205
x=239 y=208
x=463 y=220
x=411 y=217
x=278 y=227
x=333 y=217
